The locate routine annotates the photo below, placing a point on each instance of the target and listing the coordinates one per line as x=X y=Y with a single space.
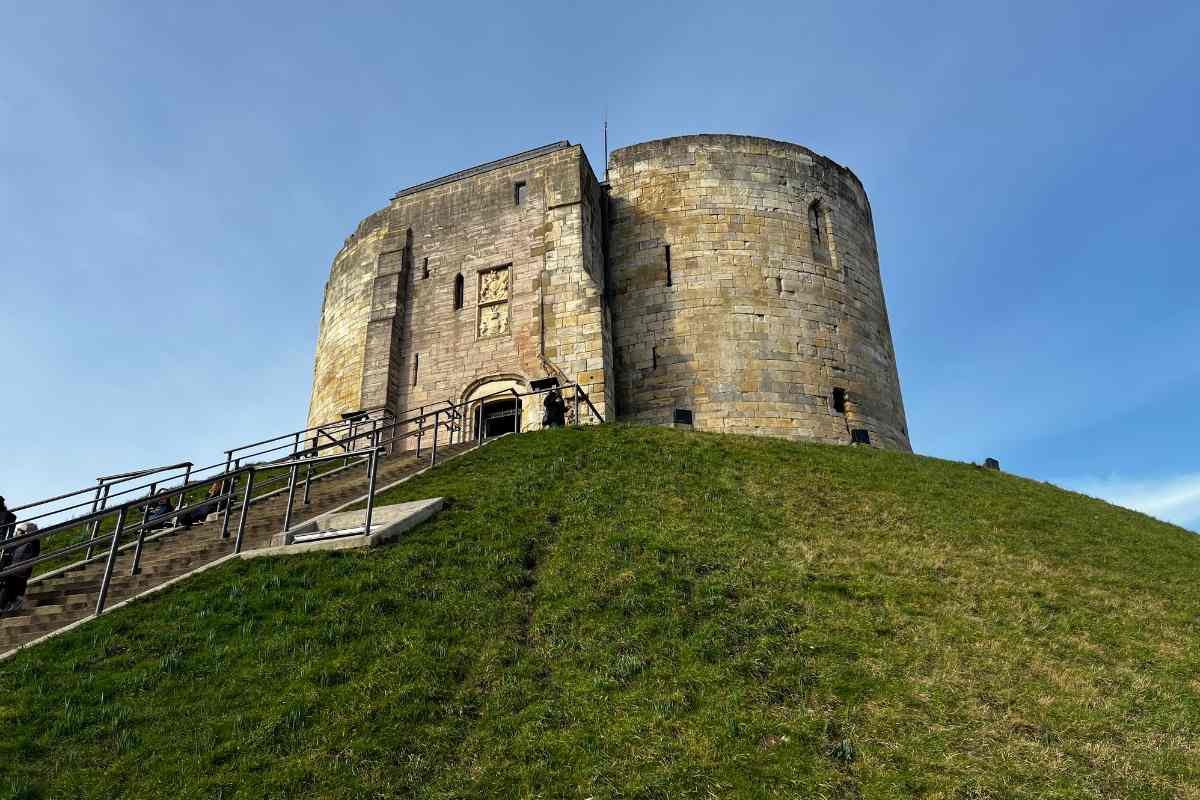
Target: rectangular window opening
x=519 y=192
x=667 y=252
x=860 y=436
x=683 y=416
x=839 y=400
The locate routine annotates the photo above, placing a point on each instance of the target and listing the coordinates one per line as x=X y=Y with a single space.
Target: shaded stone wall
x=532 y=277
x=769 y=303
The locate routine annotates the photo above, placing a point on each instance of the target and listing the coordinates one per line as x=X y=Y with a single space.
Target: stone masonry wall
x=345 y=314
x=769 y=303
x=532 y=276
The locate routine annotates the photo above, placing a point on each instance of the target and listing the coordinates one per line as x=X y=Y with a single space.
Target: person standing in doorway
x=556 y=409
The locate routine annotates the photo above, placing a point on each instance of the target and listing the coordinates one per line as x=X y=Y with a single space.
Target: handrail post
x=296 y=444
x=229 y=501
x=187 y=476
x=146 y=508
x=307 y=484
x=112 y=558
x=372 y=468
x=241 y=531
x=96 y=523
x=433 y=455
x=382 y=438
x=479 y=426
x=287 y=515
x=420 y=428
x=136 y=567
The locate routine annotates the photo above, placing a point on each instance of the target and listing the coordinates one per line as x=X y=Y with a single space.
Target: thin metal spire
x=606 y=144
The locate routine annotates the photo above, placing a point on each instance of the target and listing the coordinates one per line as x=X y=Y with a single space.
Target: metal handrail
x=449 y=418
x=109 y=480
x=381 y=430
x=138 y=473
x=339 y=423
x=228 y=498
x=102 y=496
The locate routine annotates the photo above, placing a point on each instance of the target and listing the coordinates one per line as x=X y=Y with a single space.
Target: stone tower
x=726 y=282
x=746 y=289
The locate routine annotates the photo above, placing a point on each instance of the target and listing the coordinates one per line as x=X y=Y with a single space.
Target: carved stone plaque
x=493 y=286
x=493 y=319
x=493 y=302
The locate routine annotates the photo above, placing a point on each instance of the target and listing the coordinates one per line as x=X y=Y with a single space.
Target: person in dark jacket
x=12 y=595
x=158 y=512
x=7 y=518
x=556 y=409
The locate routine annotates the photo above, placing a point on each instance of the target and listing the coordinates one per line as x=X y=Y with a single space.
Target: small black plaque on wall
x=683 y=416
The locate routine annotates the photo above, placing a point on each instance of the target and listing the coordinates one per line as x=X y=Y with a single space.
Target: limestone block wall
x=345 y=314
x=746 y=289
x=522 y=239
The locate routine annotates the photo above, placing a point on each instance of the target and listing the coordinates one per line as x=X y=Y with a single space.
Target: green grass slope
x=623 y=612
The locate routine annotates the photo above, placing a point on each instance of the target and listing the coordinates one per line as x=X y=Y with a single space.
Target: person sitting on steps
x=210 y=505
x=158 y=512
x=12 y=595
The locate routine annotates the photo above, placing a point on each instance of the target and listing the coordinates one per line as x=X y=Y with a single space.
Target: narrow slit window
x=814 y=224
x=458 y=291
x=654 y=358
x=839 y=400
x=416 y=366
x=425 y=268
x=667 y=254
x=519 y=193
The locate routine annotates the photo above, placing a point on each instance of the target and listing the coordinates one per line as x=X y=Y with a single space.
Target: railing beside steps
x=111 y=517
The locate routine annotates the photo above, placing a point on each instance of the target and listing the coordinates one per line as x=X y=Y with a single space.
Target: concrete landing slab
x=344 y=529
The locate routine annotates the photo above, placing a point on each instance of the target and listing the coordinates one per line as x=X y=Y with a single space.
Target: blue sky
x=175 y=179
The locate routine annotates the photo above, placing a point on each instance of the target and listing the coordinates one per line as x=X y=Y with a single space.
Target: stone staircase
x=68 y=597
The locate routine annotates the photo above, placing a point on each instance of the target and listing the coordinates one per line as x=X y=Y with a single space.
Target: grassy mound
x=641 y=613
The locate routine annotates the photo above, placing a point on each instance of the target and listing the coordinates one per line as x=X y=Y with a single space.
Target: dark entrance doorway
x=498 y=417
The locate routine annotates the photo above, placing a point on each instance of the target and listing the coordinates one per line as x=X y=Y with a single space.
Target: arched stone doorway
x=494 y=407
x=498 y=417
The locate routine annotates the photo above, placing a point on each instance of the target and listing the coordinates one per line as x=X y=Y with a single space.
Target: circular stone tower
x=746 y=295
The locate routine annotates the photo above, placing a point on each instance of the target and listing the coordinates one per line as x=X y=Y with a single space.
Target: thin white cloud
x=1174 y=499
